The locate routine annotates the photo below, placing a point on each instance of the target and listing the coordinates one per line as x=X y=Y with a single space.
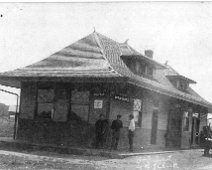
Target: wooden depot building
x=63 y=95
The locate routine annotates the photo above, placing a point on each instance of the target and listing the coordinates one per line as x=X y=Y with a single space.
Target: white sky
x=180 y=32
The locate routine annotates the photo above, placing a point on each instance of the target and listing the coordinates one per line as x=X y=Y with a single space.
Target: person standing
x=207 y=137
x=131 y=130
x=100 y=127
x=116 y=126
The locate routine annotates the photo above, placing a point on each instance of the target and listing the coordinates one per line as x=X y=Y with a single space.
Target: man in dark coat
x=207 y=143
x=116 y=126
x=101 y=127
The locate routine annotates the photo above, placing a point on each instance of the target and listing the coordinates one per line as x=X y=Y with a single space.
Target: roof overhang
x=181 y=78
x=6 y=81
x=165 y=92
x=16 y=81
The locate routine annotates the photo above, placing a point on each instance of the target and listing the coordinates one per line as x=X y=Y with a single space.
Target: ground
x=37 y=160
x=180 y=160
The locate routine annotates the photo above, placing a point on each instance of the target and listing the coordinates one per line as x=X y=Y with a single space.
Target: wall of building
x=143 y=135
x=79 y=129
x=66 y=126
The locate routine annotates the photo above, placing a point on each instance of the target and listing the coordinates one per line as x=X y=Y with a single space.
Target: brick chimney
x=148 y=53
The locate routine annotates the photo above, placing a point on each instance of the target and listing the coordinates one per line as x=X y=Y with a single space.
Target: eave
x=174 y=77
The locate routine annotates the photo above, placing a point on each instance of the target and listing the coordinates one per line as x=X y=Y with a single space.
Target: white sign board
x=98 y=104
x=137 y=105
x=185 y=114
x=195 y=115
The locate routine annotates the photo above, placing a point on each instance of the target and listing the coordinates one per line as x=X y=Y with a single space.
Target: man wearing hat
x=207 y=135
x=101 y=126
x=116 y=126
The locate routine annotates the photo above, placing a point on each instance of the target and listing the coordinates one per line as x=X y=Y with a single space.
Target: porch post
x=108 y=101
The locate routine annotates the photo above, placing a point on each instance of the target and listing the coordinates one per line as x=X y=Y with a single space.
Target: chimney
x=148 y=53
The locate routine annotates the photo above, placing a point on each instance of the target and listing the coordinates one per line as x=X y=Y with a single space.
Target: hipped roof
x=99 y=57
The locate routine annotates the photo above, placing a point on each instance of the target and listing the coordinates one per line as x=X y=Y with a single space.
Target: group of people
x=101 y=129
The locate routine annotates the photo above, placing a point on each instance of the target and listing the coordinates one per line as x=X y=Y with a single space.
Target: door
x=154 y=127
x=173 y=137
x=195 y=131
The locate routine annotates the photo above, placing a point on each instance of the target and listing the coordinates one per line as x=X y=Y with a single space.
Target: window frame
x=45 y=86
x=78 y=103
x=186 y=121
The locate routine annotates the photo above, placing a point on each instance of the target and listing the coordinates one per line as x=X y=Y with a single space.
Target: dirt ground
x=182 y=160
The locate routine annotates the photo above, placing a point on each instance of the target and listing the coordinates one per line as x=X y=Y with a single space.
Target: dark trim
x=36 y=102
x=90 y=103
x=108 y=100
x=69 y=102
x=79 y=79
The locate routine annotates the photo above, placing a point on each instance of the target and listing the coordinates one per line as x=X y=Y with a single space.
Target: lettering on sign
x=98 y=94
x=122 y=98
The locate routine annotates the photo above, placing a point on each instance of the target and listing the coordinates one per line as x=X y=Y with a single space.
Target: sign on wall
x=137 y=105
x=98 y=104
x=98 y=94
x=122 y=98
x=195 y=115
x=185 y=114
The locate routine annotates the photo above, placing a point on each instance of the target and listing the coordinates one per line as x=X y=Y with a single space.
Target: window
x=147 y=70
x=143 y=69
x=61 y=104
x=137 y=67
x=52 y=102
x=155 y=102
x=150 y=71
x=180 y=84
x=80 y=104
x=45 y=102
x=183 y=85
x=185 y=121
x=137 y=108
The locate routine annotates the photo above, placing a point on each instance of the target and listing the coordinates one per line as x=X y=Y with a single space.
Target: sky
x=177 y=32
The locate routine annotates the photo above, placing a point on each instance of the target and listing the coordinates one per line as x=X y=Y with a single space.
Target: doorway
x=173 y=137
x=154 y=127
x=195 y=131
